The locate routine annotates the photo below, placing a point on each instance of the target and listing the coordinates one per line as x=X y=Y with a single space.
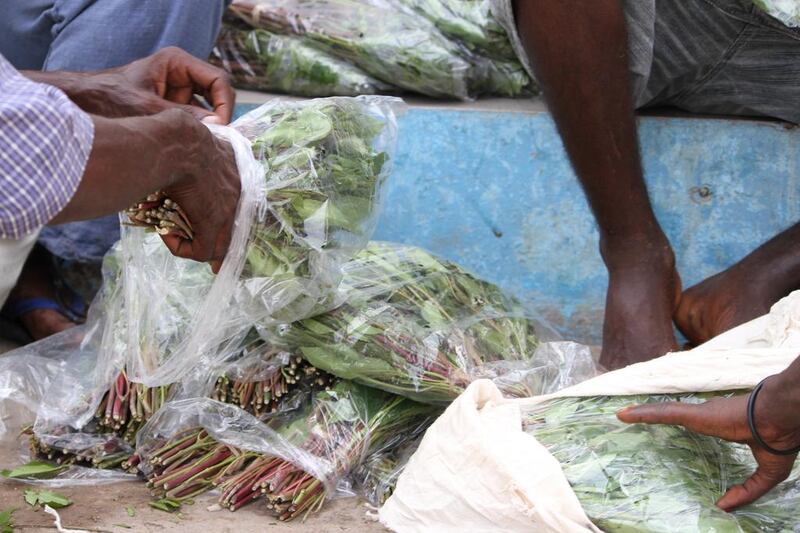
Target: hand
x=726 y=418
x=169 y=78
x=209 y=194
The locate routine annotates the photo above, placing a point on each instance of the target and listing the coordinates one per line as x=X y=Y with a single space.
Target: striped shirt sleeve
x=45 y=141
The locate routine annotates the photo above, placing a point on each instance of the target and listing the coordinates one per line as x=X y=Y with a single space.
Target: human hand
x=209 y=195
x=169 y=78
x=726 y=418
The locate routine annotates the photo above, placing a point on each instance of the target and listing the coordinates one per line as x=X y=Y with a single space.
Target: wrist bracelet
x=751 y=421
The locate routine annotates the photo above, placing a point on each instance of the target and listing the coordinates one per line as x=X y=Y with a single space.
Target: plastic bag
x=787 y=11
x=293 y=461
x=266 y=61
x=654 y=478
x=552 y=462
x=419 y=326
x=469 y=22
x=394 y=46
x=321 y=165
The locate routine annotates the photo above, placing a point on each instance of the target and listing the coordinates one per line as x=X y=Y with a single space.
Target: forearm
x=579 y=54
x=130 y=158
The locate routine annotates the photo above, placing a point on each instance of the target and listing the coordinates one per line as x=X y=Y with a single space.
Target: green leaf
x=125 y=526
x=6 y=524
x=47 y=497
x=168 y=505
x=34 y=469
x=31 y=497
x=131 y=511
x=53 y=499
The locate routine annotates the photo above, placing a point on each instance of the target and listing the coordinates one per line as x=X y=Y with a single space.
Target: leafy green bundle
x=266 y=61
x=309 y=449
x=325 y=162
x=419 y=326
x=654 y=478
x=392 y=45
x=469 y=22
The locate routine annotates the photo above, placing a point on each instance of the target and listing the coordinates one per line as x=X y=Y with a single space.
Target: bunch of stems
x=127 y=406
x=415 y=325
x=263 y=394
x=191 y=461
x=162 y=214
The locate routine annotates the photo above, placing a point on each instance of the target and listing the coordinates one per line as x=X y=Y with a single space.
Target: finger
x=701 y=418
x=200 y=113
x=672 y=413
x=756 y=486
x=216 y=266
x=178 y=247
x=215 y=86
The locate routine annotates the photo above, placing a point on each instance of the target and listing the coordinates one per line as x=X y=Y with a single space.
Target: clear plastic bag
x=469 y=22
x=292 y=460
x=267 y=61
x=316 y=171
x=419 y=326
x=654 y=478
x=439 y=48
x=388 y=43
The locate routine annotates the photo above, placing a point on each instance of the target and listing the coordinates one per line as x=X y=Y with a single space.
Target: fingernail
x=212 y=119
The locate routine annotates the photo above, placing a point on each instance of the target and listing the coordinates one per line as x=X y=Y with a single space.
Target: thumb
x=757 y=485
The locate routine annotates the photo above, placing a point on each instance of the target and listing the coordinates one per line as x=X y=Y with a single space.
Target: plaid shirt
x=45 y=142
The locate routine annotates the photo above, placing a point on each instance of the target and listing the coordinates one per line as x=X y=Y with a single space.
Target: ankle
x=652 y=251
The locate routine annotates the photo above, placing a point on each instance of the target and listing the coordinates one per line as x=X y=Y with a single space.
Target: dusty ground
x=104 y=509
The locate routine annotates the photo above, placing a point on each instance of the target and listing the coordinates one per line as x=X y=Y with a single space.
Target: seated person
x=87 y=35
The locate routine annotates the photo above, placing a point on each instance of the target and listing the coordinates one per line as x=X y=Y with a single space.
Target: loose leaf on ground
x=131 y=511
x=47 y=497
x=167 y=505
x=34 y=469
x=6 y=524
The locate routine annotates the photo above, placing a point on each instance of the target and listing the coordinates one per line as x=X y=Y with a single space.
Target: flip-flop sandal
x=15 y=331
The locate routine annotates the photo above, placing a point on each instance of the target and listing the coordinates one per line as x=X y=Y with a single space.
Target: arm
x=169 y=78
x=777 y=416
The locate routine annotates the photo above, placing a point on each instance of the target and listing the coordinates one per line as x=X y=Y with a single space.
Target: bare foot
x=745 y=291
x=640 y=302
x=720 y=303
x=35 y=281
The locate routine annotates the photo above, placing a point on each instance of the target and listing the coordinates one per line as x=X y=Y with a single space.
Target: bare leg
x=579 y=52
x=35 y=281
x=745 y=291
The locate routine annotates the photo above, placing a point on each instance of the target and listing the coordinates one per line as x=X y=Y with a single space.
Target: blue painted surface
x=495 y=192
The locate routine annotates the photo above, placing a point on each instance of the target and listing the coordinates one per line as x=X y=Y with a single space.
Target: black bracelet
x=751 y=421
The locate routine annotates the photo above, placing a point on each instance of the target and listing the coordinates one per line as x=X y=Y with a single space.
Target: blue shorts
x=84 y=35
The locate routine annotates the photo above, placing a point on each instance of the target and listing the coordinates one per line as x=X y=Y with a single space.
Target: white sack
x=476 y=470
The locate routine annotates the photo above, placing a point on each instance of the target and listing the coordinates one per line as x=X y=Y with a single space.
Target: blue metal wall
x=495 y=192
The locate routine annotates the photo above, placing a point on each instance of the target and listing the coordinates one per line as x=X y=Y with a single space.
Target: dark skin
x=777 y=415
x=578 y=54
x=147 y=138
x=758 y=281
x=580 y=58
